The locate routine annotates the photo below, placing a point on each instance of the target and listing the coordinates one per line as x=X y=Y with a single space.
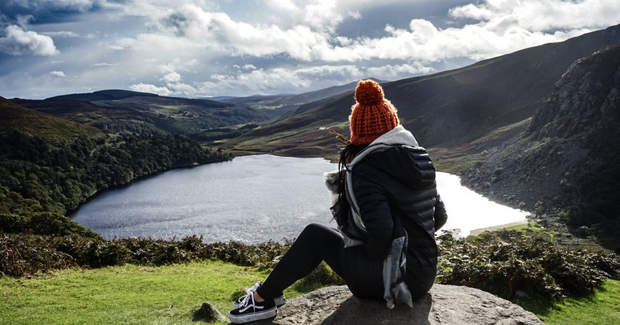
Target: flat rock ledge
x=444 y=304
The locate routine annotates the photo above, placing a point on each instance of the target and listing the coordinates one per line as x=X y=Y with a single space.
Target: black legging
x=316 y=243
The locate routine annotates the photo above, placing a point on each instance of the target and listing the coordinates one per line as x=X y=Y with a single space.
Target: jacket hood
x=400 y=161
x=398 y=135
x=412 y=165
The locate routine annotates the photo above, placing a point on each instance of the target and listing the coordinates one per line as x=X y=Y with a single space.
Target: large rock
x=445 y=304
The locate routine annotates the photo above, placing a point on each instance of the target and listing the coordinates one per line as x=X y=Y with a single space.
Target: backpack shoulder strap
x=355 y=209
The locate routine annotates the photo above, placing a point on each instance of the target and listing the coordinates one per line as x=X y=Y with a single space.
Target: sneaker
x=278 y=300
x=251 y=310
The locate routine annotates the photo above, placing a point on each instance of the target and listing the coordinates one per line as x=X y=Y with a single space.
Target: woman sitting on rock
x=387 y=209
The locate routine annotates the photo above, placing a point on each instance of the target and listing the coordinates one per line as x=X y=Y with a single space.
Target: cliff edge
x=566 y=162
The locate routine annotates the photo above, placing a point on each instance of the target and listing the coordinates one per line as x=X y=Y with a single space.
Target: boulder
x=444 y=304
x=208 y=313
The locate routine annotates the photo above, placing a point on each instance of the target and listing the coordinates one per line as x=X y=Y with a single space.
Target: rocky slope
x=565 y=162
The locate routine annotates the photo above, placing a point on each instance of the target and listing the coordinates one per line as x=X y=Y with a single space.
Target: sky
x=205 y=48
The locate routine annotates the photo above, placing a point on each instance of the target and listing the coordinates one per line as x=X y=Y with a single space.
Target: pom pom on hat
x=372 y=115
x=369 y=92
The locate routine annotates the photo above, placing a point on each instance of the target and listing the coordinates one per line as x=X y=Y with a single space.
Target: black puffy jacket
x=399 y=182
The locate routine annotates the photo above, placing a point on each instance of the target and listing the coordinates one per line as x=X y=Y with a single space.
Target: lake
x=252 y=199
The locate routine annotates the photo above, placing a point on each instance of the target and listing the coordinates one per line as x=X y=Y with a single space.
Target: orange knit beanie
x=372 y=115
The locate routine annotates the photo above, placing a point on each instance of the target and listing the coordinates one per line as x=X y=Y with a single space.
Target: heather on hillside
x=39 y=176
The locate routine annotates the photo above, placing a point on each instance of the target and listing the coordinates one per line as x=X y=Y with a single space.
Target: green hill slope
x=112 y=94
x=16 y=117
x=283 y=105
x=125 y=111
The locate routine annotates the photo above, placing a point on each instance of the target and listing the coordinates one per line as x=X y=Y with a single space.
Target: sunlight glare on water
x=468 y=210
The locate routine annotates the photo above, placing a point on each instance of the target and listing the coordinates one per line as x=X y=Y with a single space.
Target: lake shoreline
x=280 y=194
x=476 y=232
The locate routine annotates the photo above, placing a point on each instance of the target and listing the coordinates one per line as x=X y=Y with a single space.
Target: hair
x=346 y=156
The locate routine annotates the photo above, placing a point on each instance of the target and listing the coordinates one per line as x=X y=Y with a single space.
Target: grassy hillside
x=282 y=105
x=124 y=111
x=111 y=94
x=15 y=117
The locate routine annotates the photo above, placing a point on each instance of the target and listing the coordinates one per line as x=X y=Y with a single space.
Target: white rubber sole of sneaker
x=252 y=317
x=278 y=300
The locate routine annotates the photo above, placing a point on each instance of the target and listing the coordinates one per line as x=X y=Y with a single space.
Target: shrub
x=321 y=276
x=44 y=223
x=507 y=261
x=26 y=254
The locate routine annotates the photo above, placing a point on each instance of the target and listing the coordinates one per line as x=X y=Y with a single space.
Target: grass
x=600 y=308
x=126 y=294
x=173 y=295
x=457 y=165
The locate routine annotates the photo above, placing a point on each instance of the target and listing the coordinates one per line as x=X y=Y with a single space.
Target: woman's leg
x=316 y=243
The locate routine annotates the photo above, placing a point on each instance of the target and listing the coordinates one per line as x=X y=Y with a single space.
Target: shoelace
x=252 y=289
x=246 y=301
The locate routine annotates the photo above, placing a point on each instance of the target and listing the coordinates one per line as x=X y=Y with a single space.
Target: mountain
x=127 y=111
x=111 y=94
x=281 y=104
x=449 y=110
x=566 y=161
x=18 y=118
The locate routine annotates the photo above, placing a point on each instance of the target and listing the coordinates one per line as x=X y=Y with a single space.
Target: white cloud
x=183 y=89
x=234 y=47
x=283 y=5
x=148 y=88
x=543 y=15
x=61 y=34
x=392 y=72
x=322 y=15
x=171 y=77
x=355 y=15
x=282 y=80
x=58 y=74
x=20 y=42
x=503 y=27
x=24 y=20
